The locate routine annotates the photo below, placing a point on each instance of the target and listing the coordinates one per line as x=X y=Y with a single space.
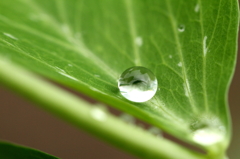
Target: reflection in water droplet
x=181 y=28
x=98 y=114
x=138 y=84
x=127 y=118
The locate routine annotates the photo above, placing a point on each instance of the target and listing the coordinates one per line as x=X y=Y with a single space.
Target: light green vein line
x=80 y=49
x=108 y=38
x=165 y=111
x=174 y=28
x=77 y=16
x=133 y=32
x=204 y=55
x=77 y=66
x=62 y=11
x=17 y=49
x=78 y=45
x=204 y=58
x=180 y=106
x=225 y=46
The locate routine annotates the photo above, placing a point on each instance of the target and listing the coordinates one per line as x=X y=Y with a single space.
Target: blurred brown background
x=23 y=123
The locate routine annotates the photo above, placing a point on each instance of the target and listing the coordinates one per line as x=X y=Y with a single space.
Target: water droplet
x=98 y=114
x=97 y=76
x=208 y=130
x=155 y=131
x=127 y=118
x=170 y=56
x=196 y=9
x=205 y=49
x=180 y=64
x=70 y=65
x=181 y=28
x=138 y=41
x=138 y=84
x=207 y=136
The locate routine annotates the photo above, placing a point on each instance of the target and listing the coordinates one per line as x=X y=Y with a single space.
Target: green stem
x=90 y=118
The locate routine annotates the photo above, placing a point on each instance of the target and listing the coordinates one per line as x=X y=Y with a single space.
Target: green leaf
x=91 y=117
x=86 y=44
x=12 y=151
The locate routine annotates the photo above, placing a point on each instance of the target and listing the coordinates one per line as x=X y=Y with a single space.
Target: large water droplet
x=181 y=28
x=138 y=84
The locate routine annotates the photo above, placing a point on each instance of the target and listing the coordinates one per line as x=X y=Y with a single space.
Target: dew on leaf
x=208 y=130
x=180 y=64
x=181 y=28
x=137 y=84
x=196 y=9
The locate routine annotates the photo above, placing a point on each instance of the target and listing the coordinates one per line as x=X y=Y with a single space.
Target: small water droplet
x=97 y=76
x=127 y=118
x=155 y=131
x=138 y=41
x=196 y=9
x=70 y=65
x=180 y=64
x=98 y=114
x=138 y=84
x=170 y=56
x=205 y=49
x=181 y=28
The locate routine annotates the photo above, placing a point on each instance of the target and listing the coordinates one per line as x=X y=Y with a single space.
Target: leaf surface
x=12 y=151
x=87 y=44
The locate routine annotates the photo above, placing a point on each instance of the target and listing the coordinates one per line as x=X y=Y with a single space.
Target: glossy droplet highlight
x=181 y=28
x=138 y=84
x=208 y=130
